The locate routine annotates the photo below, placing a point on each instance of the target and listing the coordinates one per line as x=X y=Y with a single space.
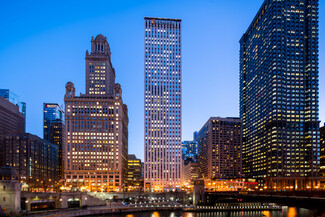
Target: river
x=286 y=212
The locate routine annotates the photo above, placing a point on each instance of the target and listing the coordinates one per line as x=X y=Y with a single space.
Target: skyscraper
x=51 y=112
x=57 y=138
x=15 y=99
x=162 y=105
x=96 y=126
x=279 y=91
x=220 y=149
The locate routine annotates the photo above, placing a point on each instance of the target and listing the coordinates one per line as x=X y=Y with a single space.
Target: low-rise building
x=35 y=160
x=135 y=179
x=190 y=173
x=10 y=192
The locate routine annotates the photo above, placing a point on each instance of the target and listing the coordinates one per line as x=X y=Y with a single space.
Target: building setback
x=279 y=91
x=35 y=160
x=162 y=104
x=220 y=149
x=96 y=126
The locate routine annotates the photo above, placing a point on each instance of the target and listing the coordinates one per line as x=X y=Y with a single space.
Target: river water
x=286 y=212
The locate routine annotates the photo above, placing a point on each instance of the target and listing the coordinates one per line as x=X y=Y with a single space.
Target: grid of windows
x=219 y=149
x=96 y=128
x=100 y=74
x=279 y=90
x=51 y=112
x=162 y=103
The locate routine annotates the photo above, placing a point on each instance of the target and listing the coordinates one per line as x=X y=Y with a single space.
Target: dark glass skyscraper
x=189 y=150
x=52 y=111
x=57 y=138
x=279 y=90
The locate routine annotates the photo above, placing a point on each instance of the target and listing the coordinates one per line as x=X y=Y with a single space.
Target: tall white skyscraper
x=162 y=105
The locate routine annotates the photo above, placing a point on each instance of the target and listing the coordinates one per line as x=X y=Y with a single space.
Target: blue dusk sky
x=43 y=46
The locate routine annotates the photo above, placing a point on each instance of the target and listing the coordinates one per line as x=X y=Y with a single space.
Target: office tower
x=135 y=180
x=322 y=157
x=220 y=148
x=34 y=159
x=96 y=126
x=162 y=105
x=15 y=99
x=279 y=91
x=57 y=138
x=51 y=112
x=11 y=121
x=189 y=150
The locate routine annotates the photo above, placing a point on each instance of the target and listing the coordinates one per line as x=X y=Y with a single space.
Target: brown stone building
x=35 y=160
x=96 y=127
x=220 y=149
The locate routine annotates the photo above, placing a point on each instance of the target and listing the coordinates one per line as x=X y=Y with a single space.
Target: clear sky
x=43 y=46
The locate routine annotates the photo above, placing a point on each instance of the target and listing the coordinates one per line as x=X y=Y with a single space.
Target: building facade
x=15 y=99
x=96 y=127
x=190 y=173
x=57 y=138
x=135 y=179
x=11 y=121
x=10 y=192
x=189 y=150
x=220 y=149
x=322 y=157
x=162 y=105
x=279 y=91
x=51 y=112
x=35 y=160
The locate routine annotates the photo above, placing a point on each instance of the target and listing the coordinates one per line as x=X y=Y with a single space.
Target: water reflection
x=155 y=214
x=266 y=213
x=286 y=212
x=292 y=212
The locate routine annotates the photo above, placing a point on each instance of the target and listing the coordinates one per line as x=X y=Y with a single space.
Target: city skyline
x=211 y=73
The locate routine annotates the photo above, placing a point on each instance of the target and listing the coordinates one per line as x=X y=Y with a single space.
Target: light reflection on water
x=286 y=212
